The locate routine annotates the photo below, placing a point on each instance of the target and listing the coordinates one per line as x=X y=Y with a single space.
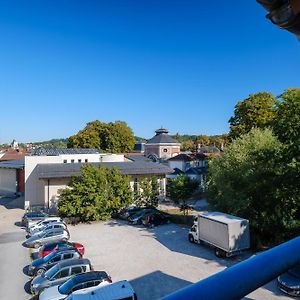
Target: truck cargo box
x=224 y=231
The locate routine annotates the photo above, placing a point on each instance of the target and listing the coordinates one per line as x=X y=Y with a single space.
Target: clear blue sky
x=180 y=64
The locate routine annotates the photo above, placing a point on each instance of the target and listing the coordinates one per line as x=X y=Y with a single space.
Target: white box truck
x=229 y=235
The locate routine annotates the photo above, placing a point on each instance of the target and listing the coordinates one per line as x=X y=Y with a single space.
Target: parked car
x=30 y=217
x=136 y=218
x=49 y=227
x=127 y=212
x=77 y=282
x=60 y=273
x=43 y=223
x=42 y=238
x=60 y=245
x=154 y=219
x=121 y=290
x=289 y=282
x=41 y=265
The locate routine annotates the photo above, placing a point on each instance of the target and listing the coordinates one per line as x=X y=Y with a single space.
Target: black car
x=41 y=265
x=289 y=282
x=127 y=212
x=32 y=216
x=154 y=219
x=136 y=219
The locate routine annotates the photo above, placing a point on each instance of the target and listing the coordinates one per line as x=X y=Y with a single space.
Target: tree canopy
x=247 y=181
x=96 y=194
x=258 y=110
x=112 y=137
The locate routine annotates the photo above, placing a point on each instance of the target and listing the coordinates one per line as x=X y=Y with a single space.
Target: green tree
x=147 y=193
x=247 y=181
x=287 y=128
x=96 y=194
x=180 y=189
x=112 y=137
x=258 y=110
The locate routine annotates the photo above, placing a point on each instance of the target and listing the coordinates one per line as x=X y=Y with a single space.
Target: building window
x=165 y=150
x=72 y=161
x=86 y=160
x=65 y=161
x=79 y=160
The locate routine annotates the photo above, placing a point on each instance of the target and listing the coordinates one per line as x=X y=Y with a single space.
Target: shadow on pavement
x=25 y=270
x=12 y=202
x=156 y=285
x=27 y=287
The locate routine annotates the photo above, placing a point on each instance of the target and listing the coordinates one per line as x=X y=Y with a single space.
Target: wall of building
x=163 y=151
x=50 y=189
x=8 y=181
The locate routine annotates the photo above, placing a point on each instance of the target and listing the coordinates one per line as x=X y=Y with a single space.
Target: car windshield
x=50 y=256
x=295 y=271
x=66 y=287
x=51 y=272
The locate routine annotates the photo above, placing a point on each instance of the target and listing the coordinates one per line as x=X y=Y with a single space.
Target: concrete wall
x=164 y=151
x=8 y=181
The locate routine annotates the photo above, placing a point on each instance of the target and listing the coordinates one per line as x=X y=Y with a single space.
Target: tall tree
x=258 y=110
x=180 y=189
x=96 y=194
x=247 y=181
x=114 y=137
x=147 y=193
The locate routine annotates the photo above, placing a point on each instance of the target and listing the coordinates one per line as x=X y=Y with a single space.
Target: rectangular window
x=72 y=160
x=65 y=161
x=79 y=160
x=86 y=160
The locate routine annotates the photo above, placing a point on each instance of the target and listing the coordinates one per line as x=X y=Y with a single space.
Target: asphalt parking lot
x=156 y=261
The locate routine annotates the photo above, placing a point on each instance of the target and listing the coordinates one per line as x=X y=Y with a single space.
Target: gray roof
x=162 y=137
x=12 y=164
x=138 y=158
x=60 y=151
x=46 y=171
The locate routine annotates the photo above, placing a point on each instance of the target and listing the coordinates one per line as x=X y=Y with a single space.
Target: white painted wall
x=8 y=181
x=177 y=164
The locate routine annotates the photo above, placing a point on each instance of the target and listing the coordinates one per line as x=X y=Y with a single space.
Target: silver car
x=60 y=273
x=51 y=236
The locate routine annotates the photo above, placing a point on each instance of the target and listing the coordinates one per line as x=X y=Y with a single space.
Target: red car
x=48 y=248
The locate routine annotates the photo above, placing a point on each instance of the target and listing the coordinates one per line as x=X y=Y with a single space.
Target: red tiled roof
x=11 y=154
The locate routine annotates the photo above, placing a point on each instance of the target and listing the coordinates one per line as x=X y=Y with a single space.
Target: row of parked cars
x=61 y=271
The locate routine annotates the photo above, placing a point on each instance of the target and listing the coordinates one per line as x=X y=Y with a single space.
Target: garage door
x=8 y=182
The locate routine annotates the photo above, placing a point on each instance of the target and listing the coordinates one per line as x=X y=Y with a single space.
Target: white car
x=53 y=225
x=42 y=223
x=121 y=290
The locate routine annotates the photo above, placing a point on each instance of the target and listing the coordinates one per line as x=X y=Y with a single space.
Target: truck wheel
x=220 y=253
x=191 y=239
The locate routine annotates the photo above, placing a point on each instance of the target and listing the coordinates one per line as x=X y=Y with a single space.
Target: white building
x=48 y=171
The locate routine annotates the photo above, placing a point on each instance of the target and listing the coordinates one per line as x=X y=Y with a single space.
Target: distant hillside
x=54 y=143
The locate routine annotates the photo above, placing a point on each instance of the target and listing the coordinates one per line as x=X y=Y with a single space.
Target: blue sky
x=178 y=64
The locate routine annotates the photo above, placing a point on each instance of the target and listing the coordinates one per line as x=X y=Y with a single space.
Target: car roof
x=89 y=276
x=117 y=290
x=70 y=249
x=73 y=262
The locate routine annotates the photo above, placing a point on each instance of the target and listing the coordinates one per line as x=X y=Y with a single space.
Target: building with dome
x=162 y=146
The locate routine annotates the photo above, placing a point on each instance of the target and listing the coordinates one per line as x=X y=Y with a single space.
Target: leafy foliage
x=247 y=181
x=256 y=111
x=96 y=194
x=180 y=189
x=147 y=192
x=114 y=137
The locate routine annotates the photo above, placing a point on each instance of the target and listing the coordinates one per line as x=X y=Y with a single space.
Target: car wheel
x=191 y=239
x=40 y=272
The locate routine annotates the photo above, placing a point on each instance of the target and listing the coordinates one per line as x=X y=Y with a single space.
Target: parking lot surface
x=156 y=261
